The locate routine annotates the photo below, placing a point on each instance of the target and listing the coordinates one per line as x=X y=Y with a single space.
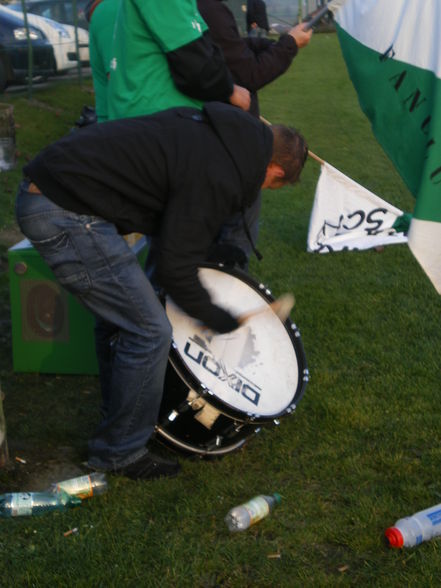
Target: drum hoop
x=294 y=334
x=199 y=450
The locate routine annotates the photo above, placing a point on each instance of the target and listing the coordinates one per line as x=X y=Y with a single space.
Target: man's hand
x=300 y=36
x=240 y=97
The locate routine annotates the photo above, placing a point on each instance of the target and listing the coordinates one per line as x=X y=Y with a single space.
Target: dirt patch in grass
x=40 y=469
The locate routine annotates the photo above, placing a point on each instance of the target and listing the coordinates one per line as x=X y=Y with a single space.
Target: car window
x=46 y=13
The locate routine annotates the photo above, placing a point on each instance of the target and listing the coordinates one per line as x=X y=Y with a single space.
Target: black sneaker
x=148 y=467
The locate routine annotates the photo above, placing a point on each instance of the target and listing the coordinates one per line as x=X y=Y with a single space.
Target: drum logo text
x=217 y=368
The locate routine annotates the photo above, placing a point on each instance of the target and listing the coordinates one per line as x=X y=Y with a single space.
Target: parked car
x=14 y=51
x=83 y=42
x=62 y=38
x=59 y=10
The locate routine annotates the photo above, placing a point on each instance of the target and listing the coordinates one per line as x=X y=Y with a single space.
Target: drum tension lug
x=232 y=430
x=216 y=442
x=276 y=422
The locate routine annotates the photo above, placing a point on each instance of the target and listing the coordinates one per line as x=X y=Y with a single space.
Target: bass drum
x=220 y=389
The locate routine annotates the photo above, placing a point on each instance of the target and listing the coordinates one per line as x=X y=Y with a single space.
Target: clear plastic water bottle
x=413 y=530
x=84 y=486
x=18 y=504
x=243 y=516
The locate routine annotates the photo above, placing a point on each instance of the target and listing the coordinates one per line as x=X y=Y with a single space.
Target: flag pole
x=316 y=157
x=315 y=19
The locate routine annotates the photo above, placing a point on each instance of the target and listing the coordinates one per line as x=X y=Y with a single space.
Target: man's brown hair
x=289 y=151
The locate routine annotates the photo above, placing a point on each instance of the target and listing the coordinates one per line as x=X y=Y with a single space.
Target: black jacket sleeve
x=258 y=44
x=198 y=70
x=254 y=62
x=188 y=229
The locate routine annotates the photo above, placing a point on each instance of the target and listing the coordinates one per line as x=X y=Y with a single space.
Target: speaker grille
x=44 y=311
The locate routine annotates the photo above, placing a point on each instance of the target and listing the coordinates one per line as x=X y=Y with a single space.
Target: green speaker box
x=51 y=332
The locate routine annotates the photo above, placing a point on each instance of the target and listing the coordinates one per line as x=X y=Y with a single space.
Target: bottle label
x=257 y=508
x=21 y=504
x=81 y=487
x=435 y=517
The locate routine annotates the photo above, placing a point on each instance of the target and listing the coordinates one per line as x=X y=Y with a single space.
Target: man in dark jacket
x=253 y=63
x=177 y=174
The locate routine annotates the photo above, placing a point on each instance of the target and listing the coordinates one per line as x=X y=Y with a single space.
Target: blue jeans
x=93 y=262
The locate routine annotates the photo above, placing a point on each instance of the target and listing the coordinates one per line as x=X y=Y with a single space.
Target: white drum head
x=253 y=369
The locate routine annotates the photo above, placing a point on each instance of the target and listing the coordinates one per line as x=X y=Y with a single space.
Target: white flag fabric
x=346 y=216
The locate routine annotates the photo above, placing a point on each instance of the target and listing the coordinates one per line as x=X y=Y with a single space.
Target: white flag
x=347 y=216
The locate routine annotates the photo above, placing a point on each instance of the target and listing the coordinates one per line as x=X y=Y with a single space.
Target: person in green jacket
x=101 y=28
x=163 y=57
x=147 y=57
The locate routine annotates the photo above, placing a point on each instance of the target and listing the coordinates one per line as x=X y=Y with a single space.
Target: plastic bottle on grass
x=243 y=516
x=413 y=530
x=83 y=486
x=18 y=504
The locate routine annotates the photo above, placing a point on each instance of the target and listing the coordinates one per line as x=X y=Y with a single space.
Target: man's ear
x=276 y=170
x=274 y=176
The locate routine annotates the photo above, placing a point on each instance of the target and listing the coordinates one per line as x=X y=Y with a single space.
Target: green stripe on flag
x=403 y=103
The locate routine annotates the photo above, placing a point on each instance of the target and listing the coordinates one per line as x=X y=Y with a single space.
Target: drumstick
x=281 y=307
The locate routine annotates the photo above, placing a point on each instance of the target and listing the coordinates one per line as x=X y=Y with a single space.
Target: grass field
x=362 y=450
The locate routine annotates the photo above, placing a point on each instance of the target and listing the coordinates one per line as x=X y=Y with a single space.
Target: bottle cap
x=394 y=536
x=277 y=497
